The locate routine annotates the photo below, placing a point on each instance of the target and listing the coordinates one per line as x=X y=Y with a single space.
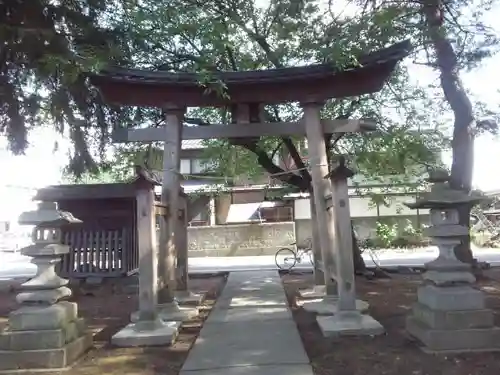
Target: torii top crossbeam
x=273 y=86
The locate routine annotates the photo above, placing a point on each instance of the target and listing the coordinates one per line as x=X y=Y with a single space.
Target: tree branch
x=276 y=172
x=456 y=96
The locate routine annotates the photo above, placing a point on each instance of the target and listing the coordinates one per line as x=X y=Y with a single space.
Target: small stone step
x=471 y=339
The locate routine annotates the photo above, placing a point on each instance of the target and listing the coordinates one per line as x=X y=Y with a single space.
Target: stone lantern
x=450 y=314
x=45 y=332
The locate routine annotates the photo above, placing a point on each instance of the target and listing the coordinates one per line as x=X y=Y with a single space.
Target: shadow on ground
x=107 y=309
x=391 y=354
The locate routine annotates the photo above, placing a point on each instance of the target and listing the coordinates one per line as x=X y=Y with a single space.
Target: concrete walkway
x=250 y=331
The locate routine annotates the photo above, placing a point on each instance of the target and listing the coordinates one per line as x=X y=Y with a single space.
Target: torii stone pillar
x=319 y=289
x=147 y=328
x=171 y=187
x=348 y=319
x=182 y=294
x=321 y=187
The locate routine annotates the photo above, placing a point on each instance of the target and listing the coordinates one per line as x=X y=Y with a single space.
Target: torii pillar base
x=188 y=298
x=329 y=306
x=349 y=323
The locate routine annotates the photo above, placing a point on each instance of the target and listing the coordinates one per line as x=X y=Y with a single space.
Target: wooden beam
x=242 y=130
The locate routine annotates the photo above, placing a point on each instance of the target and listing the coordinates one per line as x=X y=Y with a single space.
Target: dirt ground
x=107 y=308
x=393 y=353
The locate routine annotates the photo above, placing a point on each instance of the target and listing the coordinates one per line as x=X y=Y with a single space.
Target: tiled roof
x=394 y=52
x=367 y=74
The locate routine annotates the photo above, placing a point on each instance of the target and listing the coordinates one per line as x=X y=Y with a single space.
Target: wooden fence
x=101 y=253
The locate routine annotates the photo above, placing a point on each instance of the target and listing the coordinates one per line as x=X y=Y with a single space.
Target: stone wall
x=240 y=239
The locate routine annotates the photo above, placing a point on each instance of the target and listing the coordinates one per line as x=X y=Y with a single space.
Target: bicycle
x=286 y=258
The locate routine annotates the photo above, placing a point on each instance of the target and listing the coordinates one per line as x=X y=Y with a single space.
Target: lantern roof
x=47 y=213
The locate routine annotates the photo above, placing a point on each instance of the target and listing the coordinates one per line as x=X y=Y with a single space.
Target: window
x=197 y=166
x=185 y=166
x=193 y=166
x=201 y=219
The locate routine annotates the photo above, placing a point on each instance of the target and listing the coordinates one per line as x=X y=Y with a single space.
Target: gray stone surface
x=451 y=298
x=250 y=331
x=437 y=340
x=49 y=296
x=245 y=314
x=171 y=313
x=455 y=319
x=448 y=278
x=43 y=317
x=164 y=333
x=53 y=359
x=252 y=300
x=244 y=239
x=189 y=298
x=318 y=291
x=42 y=339
x=256 y=370
x=252 y=289
x=329 y=306
x=247 y=343
x=349 y=324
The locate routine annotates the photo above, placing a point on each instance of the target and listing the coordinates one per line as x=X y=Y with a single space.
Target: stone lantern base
x=43 y=338
x=453 y=319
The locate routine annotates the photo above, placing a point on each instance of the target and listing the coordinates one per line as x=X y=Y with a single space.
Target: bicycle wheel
x=285 y=258
x=310 y=256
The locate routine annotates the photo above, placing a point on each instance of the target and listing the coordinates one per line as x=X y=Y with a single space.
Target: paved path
x=250 y=331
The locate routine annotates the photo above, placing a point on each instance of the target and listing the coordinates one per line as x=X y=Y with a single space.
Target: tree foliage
x=51 y=45
x=241 y=35
x=48 y=46
x=451 y=38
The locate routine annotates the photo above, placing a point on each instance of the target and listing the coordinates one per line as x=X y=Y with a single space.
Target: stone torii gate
x=247 y=92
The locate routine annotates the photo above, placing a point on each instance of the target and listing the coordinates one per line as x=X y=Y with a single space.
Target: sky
x=41 y=166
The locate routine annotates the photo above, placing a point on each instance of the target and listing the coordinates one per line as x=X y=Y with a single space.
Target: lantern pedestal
x=45 y=333
x=450 y=315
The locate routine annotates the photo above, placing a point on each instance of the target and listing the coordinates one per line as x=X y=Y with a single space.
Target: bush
x=388 y=236
x=386 y=233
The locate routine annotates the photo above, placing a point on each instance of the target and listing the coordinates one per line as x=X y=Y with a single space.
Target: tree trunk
x=463 y=128
x=319 y=276
x=359 y=262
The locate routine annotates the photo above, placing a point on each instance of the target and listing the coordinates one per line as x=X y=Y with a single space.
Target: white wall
x=364 y=207
x=302 y=209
